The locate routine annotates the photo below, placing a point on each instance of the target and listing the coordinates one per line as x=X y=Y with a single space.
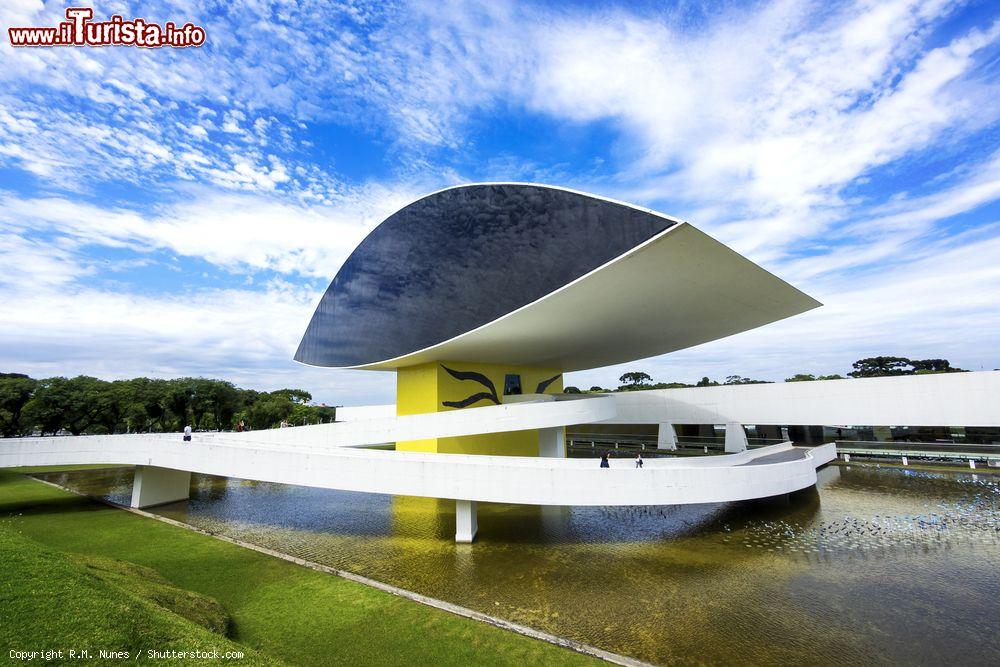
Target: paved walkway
x=794 y=454
x=300 y=458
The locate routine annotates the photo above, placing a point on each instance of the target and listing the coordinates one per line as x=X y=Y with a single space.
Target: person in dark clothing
x=638 y=460
x=604 y=460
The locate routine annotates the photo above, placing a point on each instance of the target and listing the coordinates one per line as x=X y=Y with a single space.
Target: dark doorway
x=512 y=385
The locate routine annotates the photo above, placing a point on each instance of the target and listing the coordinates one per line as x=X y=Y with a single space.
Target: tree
x=146 y=406
x=200 y=403
x=178 y=401
x=88 y=399
x=225 y=403
x=113 y=400
x=213 y=403
x=635 y=378
x=45 y=409
x=15 y=392
x=809 y=377
x=597 y=390
x=739 y=379
x=571 y=390
x=880 y=366
x=269 y=412
x=293 y=395
x=89 y=405
x=73 y=404
x=705 y=382
x=922 y=366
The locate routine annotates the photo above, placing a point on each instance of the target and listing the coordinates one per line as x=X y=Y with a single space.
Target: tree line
x=863 y=368
x=88 y=405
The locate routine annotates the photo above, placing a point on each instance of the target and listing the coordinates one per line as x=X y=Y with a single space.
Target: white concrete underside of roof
x=679 y=289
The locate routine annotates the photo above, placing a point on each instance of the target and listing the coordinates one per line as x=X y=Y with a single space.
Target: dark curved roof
x=460 y=258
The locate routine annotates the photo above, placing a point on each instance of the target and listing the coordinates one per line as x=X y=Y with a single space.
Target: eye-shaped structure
x=535 y=275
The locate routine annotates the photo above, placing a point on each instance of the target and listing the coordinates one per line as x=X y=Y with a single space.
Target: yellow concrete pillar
x=442 y=386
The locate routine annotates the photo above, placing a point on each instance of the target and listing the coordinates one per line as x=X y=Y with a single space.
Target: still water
x=879 y=565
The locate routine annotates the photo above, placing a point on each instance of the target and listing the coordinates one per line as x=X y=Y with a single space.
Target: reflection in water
x=881 y=565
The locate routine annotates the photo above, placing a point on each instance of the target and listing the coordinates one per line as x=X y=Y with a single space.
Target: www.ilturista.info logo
x=79 y=30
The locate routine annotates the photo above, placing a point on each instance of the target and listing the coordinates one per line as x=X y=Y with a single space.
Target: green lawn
x=53 y=601
x=57 y=546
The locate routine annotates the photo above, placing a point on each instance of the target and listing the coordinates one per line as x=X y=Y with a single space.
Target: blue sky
x=180 y=212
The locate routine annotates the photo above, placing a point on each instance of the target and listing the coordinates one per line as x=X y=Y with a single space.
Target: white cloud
x=197 y=131
x=898 y=231
x=31 y=262
x=765 y=113
x=246 y=336
x=20 y=12
x=236 y=231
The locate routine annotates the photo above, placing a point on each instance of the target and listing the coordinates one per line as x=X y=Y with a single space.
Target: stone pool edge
x=458 y=610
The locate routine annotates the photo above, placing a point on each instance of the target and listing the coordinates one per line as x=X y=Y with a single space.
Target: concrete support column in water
x=736 y=437
x=666 y=437
x=157 y=486
x=466 y=521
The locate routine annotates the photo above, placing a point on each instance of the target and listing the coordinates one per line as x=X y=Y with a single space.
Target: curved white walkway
x=327 y=456
x=502 y=479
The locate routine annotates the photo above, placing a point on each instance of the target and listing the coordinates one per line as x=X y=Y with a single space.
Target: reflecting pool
x=880 y=565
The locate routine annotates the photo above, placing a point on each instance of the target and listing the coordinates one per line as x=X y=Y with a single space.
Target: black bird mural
x=544 y=384
x=490 y=395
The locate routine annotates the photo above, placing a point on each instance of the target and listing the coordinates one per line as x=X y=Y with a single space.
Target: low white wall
x=946 y=399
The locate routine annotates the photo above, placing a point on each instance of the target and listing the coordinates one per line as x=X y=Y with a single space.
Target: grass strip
x=278 y=609
x=52 y=601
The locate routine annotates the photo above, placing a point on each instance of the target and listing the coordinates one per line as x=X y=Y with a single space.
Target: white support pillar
x=157 y=486
x=666 y=437
x=736 y=438
x=552 y=442
x=466 y=522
